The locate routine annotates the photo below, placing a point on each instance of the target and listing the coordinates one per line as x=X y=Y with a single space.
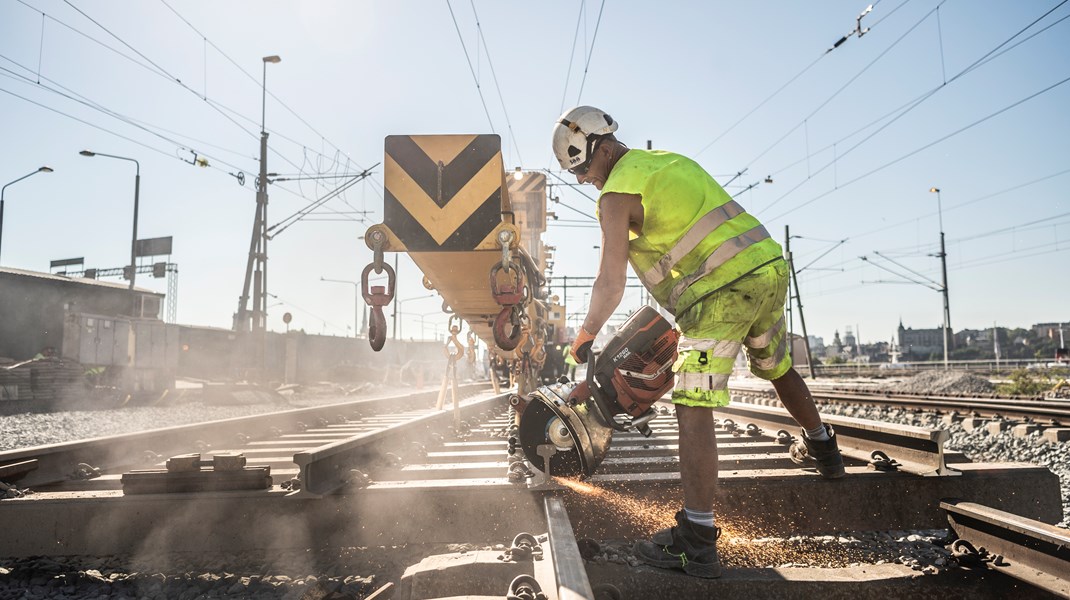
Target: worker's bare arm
x=617 y=213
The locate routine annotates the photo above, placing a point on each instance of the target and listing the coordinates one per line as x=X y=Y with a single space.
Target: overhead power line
x=590 y=51
x=471 y=69
x=494 y=76
x=253 y=78
x=927 y=146
x=776 y=92
x=904 y=109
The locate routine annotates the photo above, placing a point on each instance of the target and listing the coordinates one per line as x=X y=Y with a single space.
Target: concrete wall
x=220 y=354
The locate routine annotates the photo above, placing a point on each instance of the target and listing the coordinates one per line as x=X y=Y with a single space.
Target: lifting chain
x=512 y=295
x=379 y=295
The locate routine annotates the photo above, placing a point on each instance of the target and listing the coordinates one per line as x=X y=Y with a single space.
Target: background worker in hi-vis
x=716 y=269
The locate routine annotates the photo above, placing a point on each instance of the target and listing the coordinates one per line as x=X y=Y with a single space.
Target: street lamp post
x=943 y=267
x=133 y=240
x=356 y=301
x=4 y=189
x=398 y=311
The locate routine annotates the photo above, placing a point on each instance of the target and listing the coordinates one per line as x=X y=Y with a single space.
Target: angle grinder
x=566 y=428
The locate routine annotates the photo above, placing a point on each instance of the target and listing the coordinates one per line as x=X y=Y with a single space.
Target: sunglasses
x=580 y=169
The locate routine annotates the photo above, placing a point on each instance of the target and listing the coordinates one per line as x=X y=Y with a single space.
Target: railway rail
x=1055 y=412
x=392 y=471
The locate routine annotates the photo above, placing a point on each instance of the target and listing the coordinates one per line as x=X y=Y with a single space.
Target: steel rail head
x=1032 y=551
x=917 y=450
x=571 y=582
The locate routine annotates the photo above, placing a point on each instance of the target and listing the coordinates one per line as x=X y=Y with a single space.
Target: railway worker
x=570 y=362
x=715 y=268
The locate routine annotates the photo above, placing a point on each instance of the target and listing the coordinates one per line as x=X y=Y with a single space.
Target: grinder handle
x=598 y=396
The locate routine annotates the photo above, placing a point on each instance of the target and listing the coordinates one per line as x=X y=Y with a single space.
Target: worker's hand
x=581 y=346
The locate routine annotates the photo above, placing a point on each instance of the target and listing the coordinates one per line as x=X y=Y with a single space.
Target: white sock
x=818 y=434
x=698 y=517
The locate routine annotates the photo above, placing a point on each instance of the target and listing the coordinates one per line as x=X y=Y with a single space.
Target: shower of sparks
x=741 y=543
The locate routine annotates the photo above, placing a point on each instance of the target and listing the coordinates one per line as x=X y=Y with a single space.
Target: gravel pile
x=943 y=382
x=36 y=429
x=979 y=445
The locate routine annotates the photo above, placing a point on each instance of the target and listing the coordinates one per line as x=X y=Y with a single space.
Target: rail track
x=397 y=471
x=1054 y=412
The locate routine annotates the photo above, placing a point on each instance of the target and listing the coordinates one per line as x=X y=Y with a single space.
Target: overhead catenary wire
x=926 y=146
x=471 y=69
x=74 y=96
x=904 y=109
x=590 y=51
x=494 y=77
x=572 y=55
x=253 y=78
x=156 y=69
x=843 y=87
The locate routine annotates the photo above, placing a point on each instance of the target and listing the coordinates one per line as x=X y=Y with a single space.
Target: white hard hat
x=575 y=133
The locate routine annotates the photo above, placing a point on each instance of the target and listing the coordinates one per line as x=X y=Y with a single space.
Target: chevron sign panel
x=443 y=192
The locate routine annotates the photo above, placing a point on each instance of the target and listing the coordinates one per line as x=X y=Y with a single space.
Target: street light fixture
x=133 y=239
x=943 y=266
x=356 y=300
x=45 y=169
x=398 y=311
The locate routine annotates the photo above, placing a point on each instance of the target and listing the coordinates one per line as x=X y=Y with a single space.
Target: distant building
x=1052 y=330
x=918 y=344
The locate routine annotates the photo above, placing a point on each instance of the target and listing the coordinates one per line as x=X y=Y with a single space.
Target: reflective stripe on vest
x=716 y=348
x=702 y=381
x=694 y=236
x=724 y=253
x=762 y=341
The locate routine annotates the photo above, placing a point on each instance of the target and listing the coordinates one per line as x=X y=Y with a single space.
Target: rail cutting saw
x=570 y=425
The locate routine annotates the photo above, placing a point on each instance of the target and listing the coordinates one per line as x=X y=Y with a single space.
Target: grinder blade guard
x=574 y=423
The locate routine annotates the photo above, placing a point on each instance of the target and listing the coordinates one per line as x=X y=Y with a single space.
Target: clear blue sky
x=686 y=75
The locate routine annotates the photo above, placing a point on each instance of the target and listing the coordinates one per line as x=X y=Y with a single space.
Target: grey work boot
x=825 y=456
x=686 y=546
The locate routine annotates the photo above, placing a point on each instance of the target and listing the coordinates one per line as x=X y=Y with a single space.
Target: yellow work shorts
x=746 y=313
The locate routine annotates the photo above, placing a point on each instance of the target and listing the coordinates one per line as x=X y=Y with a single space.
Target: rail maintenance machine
x=475 y=233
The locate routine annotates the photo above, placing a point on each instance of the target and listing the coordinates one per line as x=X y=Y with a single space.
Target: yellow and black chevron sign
x=443 y=192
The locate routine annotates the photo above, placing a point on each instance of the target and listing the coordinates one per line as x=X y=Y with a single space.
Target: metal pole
x=787 y=255
x=356 y=309
x=133 y=239
x=947 y=308
x=943 y=267
x=3 y=190
x=802 y=321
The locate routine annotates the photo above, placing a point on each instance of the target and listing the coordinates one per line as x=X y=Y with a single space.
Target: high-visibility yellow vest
x=695 y=238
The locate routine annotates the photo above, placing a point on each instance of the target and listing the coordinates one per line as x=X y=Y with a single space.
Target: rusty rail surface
x=1029 y=550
